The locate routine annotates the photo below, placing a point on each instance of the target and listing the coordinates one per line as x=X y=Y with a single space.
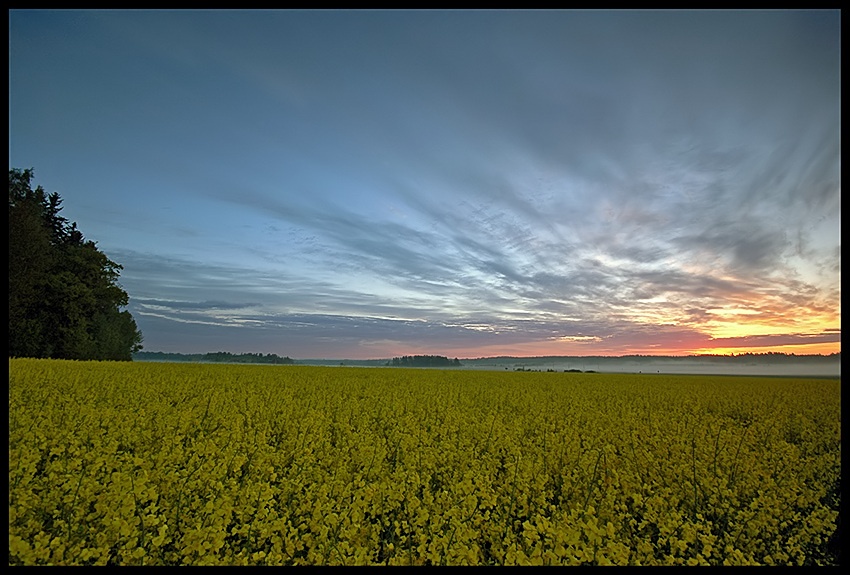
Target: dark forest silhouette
x=64 y=298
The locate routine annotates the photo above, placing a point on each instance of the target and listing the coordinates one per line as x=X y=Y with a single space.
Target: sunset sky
x=369 y=184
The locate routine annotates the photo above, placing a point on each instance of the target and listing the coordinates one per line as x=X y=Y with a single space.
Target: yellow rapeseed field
x=201 y=464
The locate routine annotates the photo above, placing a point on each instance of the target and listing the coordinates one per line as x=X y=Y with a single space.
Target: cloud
x=595 y=179
x=751 y=341
x=203 y=305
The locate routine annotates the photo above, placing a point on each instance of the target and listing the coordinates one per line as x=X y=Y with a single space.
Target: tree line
x=64 y=298
x=215 y=357
x=423 y=361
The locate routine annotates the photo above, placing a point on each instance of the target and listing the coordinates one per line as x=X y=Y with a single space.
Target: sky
x=369 y=184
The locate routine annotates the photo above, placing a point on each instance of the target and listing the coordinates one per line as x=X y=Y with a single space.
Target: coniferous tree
x=64 y=299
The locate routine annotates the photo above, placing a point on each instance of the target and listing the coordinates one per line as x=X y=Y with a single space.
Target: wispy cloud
x=346 y=182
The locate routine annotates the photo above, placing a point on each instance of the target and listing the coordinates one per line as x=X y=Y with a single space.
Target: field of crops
x=197 y=464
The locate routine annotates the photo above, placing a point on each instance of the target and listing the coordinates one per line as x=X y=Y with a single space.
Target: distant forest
x=216 y=357
x=443 y=361
x=423 y=361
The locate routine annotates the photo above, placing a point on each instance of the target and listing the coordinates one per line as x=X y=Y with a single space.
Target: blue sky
x=367 y=184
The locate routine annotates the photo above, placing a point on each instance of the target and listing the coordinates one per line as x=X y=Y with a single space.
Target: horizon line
x=668 y=356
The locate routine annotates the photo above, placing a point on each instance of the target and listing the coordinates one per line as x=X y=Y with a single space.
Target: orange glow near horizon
x=802 y=336
x=758 y=311
x=543 y=349
x=808 y=349
x=597 y=347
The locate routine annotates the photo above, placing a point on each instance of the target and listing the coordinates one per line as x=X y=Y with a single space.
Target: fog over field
x=804 y=366
x=665 y=365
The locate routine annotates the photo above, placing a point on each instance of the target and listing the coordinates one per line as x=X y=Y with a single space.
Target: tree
x=64 y=299
x=423 y=361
